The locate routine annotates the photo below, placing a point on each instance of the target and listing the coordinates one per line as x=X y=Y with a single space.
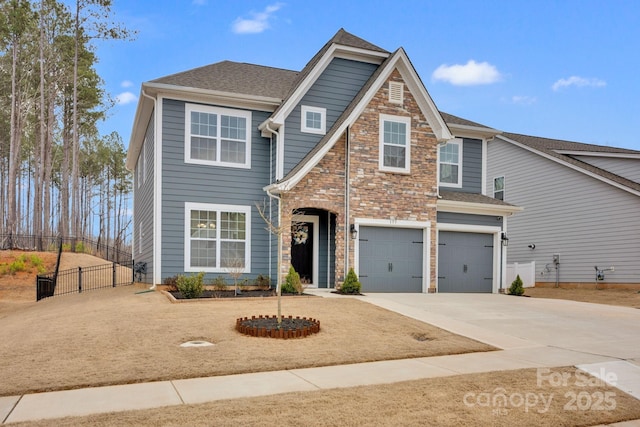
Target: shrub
x=80 y=247
x=191 y=286
x=17 y=265
x=219 y=284
x=351 y=284
x=516 y=287
x=171 y=283
x=262 y=282
x=292 y=283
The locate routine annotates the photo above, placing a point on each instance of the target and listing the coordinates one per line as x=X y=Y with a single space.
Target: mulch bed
x=231 y=294
x=266 y=326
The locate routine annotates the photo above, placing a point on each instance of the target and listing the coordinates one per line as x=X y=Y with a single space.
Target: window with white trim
x=450 y=163
x=498 y=188
x=217 y=237
x=313 y=119
x=217 y=136
x=395 y=143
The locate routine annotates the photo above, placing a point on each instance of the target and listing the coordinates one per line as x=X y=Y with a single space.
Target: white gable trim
x=426 y=104
x=334 y=51
x=570 y=166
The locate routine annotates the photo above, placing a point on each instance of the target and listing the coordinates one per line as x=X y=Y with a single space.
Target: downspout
x=155 y=118
x=279 y=201
x=347 y=195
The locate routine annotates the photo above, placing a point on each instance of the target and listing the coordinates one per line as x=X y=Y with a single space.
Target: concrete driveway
x=510 y=322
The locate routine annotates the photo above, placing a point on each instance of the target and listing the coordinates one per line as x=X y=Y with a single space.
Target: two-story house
x=349 y=158
x=580 y=226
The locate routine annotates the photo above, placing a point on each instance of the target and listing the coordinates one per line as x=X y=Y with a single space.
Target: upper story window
x=217 y=136
x=313 y=120
x=498 y=188
x=450 y=163
x=395 y=143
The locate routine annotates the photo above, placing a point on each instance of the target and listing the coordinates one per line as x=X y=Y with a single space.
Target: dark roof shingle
x=554 y=148
x=235 y=77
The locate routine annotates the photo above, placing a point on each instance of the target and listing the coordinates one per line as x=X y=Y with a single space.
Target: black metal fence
x=119 y=253
x=83 y=279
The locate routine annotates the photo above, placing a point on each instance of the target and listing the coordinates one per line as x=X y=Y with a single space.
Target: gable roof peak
x=345 y=38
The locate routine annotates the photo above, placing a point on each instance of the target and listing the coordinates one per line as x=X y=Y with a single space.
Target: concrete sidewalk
x=518 y=352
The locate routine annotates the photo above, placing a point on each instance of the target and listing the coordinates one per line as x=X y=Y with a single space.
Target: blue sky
x=561 y=69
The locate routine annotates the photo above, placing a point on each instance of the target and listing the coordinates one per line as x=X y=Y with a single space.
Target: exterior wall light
x=504 y=238
x=353 y=232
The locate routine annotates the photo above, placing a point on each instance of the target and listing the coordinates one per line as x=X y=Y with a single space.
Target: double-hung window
x=395 y=143
x=217 y=136
x=217 y=237
x=313 y=119
x=450 y=163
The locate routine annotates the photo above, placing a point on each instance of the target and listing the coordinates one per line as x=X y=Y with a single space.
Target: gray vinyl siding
x=143 y=205
x=333 y=90
x=183 y=182
x=471 y=167
x=626 y=168
x=566 y=212
x=469 y=219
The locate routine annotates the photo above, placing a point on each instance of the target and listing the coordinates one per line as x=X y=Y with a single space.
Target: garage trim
x=497 y=245
x=425 y=226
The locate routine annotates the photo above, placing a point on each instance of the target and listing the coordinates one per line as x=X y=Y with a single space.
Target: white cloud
x=470 y=74
x=523 y=100
x=126 y=83
x=579 y=82
x=125 y=98
x=258 y=22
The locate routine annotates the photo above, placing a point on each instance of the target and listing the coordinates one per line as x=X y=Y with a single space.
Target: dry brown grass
x=117 y=336
x=623 y=297
x=432 y=402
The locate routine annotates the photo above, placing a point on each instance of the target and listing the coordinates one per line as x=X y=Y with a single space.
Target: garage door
x=465 y=262
x=390 y=259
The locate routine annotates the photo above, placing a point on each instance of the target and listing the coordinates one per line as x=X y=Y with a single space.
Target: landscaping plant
x=351 y=284
x=191 y=286
x=516 y=287
x=292 y=283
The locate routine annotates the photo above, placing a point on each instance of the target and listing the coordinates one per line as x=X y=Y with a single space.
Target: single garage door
x=390 y=259
x=465 y=262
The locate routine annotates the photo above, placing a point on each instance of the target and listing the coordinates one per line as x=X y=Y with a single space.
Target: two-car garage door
x=391 y=260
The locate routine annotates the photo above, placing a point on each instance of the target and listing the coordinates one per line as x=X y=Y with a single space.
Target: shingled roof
x=555 y=147
x=235 y=77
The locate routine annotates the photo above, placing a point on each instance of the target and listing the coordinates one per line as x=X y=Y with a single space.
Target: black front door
x=302 y=250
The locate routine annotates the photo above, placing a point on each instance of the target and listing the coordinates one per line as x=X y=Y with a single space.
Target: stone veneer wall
x=373 y=194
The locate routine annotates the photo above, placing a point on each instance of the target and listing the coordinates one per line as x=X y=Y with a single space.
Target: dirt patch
x=464 y=400
x=621 y=297
x=18 y=289
x=21 y=286
x=126 y=335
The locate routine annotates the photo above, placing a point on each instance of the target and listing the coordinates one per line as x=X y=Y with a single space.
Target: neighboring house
x=350 y=155
x=582 y=205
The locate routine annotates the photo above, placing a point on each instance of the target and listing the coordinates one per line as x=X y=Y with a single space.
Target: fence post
x=79 y=279
x=133 y=271
x=114 y=274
